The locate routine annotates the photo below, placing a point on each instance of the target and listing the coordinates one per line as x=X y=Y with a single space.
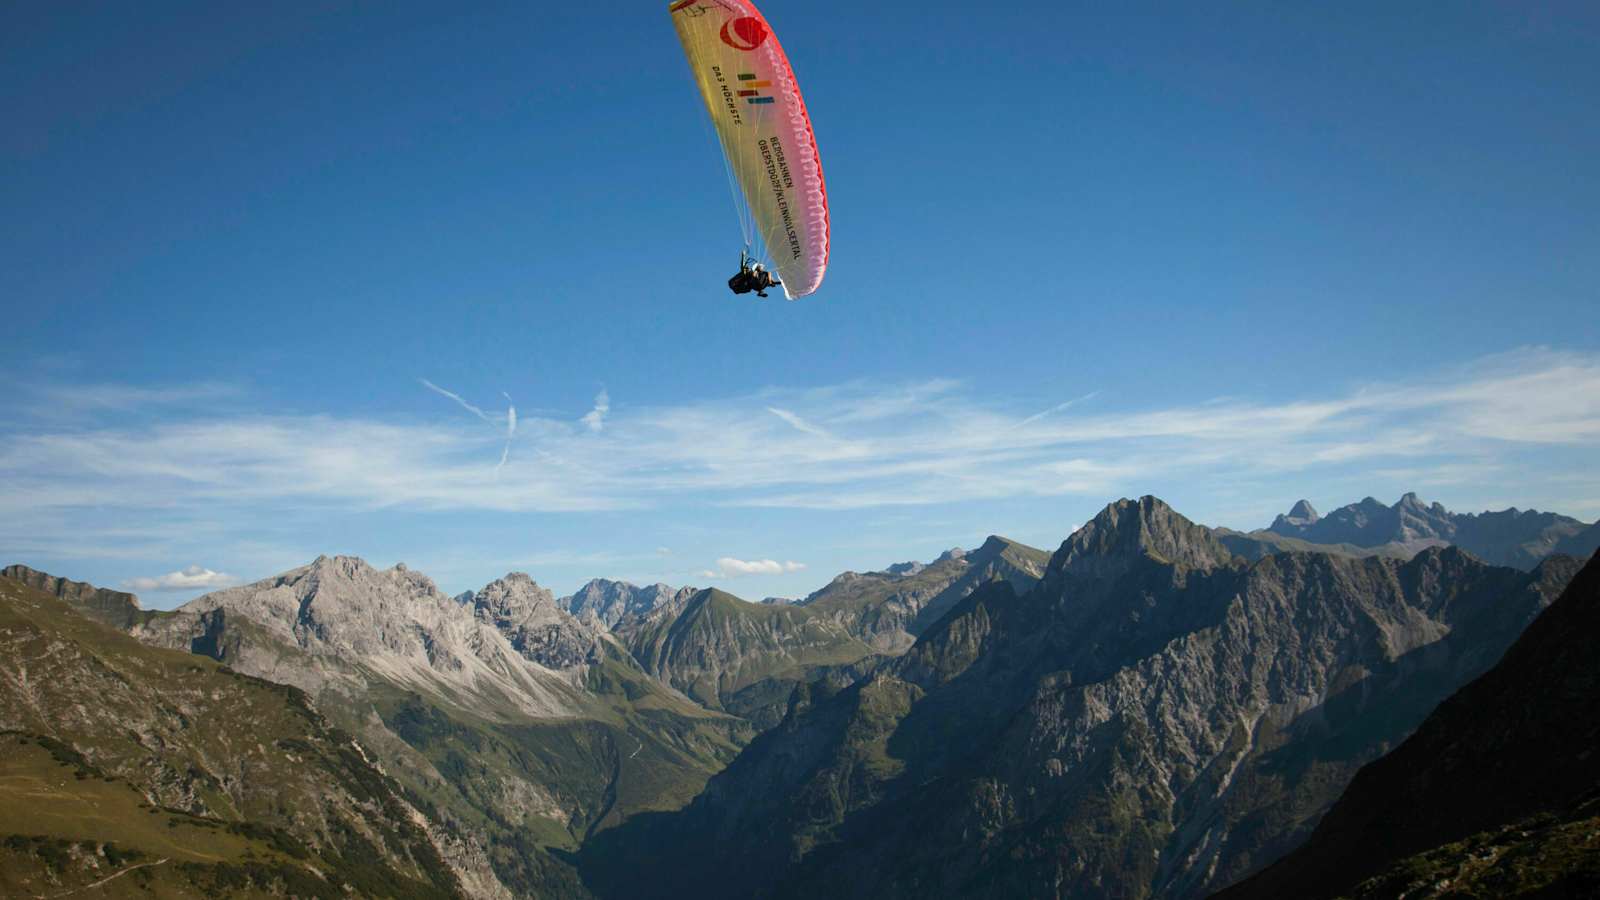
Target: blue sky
x=1232 y=257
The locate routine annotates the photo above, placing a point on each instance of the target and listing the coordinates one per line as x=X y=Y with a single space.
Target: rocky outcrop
x=114 y=608
x=610 y=603
x=537 y=628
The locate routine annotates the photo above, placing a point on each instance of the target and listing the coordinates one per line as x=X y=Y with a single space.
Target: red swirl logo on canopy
x=744 y=33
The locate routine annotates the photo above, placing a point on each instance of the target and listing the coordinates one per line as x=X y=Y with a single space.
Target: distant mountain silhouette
x=1511 y=537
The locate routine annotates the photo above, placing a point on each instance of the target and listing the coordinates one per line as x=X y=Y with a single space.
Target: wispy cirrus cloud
x=848 y=446
x=100 y=401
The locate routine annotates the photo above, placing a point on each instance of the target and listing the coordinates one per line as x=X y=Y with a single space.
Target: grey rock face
x=1517 y=743
x=1303 y=515
x=511 y=649
x=528 y=616
x=609 y=603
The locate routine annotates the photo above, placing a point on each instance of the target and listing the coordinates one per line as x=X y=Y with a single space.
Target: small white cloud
x=193 y=578
x=663 y=551
x=706 y=573
x=733 y=568
x=596 y=418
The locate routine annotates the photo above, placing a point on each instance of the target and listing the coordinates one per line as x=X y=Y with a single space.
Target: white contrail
x=798 y=423
x=457 y=398
x=511 y=432
x=510 y=418
x=1055 y=409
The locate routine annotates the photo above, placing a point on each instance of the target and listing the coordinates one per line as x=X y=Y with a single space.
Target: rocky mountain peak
x=607 y=603
x=952 y=553
x=1128 y=530
x=355 y=571
x=1300 y=517
x=993 y=545
x=513 y=598
x=529 y=617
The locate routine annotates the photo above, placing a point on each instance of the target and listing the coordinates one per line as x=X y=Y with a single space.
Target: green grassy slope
x=121 y=754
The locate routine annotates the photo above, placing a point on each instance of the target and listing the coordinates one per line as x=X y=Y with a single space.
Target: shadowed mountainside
x=1497 y=793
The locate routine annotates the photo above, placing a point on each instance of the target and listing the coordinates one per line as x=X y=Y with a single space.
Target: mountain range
x=1154 y=709
x=1155 y=717
x=1510 y=537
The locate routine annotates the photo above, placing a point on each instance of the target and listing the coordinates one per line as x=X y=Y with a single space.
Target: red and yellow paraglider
x=766 y=137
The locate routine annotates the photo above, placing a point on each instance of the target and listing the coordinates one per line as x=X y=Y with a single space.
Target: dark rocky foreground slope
x=1496 y=795
x=155 y=772
x=1155 y=718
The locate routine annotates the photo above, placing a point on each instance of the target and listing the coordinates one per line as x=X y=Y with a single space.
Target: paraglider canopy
x=765 y=134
